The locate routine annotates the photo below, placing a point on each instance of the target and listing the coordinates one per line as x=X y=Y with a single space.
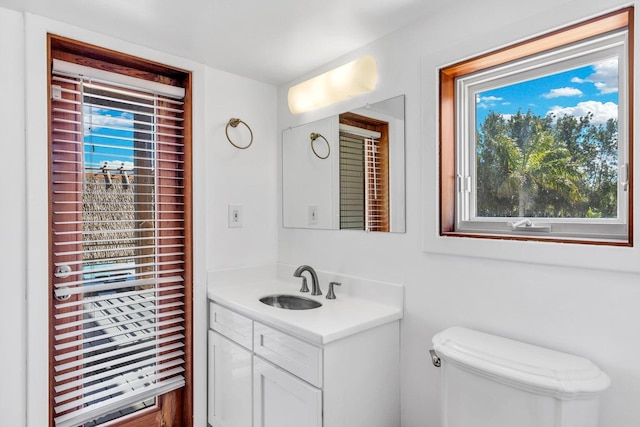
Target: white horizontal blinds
x=72 y=69
x=352 y=182
x=372 y=182
x=375 y=187
x=118 y=236
x=363 y=181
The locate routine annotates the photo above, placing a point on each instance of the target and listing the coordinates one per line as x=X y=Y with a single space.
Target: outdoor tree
x=533 y=166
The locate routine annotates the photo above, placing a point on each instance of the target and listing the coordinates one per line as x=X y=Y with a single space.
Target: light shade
x=348 y=80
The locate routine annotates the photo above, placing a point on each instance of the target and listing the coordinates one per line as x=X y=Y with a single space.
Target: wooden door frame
x=168 y=412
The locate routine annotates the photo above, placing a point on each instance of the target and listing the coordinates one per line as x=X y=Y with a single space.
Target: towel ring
x=233 y=122
x=315 y=136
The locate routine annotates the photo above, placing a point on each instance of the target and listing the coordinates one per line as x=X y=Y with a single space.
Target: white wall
x=222 y=175
x=589 y=312
x=12 y=223
x=240 y=177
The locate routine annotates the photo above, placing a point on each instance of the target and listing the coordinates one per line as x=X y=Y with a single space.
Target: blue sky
x=117 y=128
x=593 y=88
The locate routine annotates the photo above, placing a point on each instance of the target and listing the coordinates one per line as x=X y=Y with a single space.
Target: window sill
x=538 y=237
x=614 y=257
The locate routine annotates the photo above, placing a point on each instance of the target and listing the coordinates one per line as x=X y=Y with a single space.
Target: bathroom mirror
x=347 y=172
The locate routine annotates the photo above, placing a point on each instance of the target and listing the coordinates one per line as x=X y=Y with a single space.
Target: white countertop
x=346 y=315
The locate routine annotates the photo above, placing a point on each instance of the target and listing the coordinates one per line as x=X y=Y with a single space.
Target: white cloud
x=562 y=91
x=488 y=99
x=486 y=102
x=604 y=77
x=601 y=111
x=98 y=118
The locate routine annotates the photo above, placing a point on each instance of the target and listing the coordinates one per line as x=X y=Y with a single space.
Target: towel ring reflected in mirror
x=234 y=122
x=315 y=136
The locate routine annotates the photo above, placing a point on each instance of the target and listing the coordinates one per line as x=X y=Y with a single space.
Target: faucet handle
x=330 y=293
x=304 y=287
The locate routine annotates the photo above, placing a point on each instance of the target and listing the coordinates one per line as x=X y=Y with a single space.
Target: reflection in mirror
x=360 y=185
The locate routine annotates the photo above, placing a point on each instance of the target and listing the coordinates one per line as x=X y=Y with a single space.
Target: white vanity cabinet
x=352 y=381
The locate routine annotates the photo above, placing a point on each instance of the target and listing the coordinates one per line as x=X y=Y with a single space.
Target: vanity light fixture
x=344 y=82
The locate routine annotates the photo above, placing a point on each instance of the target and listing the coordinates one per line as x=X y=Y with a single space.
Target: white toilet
x=490 y=381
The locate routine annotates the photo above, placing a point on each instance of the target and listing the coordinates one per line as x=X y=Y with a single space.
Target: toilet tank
x=491 y=381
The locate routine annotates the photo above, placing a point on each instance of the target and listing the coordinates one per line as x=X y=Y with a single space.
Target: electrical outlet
x=235 y=216
x=313 y=215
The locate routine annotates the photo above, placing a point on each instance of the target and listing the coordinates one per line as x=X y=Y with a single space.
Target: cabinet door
x=229 y=383
x=282 y=400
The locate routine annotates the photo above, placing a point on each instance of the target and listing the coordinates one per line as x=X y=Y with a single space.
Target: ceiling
x=273 y=41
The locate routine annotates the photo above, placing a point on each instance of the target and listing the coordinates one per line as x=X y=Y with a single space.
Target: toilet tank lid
x=522 y=365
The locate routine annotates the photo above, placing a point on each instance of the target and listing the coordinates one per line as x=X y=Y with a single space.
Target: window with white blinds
x=117 y=156
x=363 y=188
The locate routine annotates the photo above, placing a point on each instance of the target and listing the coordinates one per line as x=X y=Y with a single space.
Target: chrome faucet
x=315 y=285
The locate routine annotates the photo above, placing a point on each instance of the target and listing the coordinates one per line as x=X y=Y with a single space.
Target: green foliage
x=533 y=166
x=592 y=214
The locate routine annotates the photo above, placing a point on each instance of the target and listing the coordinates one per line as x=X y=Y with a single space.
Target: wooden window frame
x=447 y=115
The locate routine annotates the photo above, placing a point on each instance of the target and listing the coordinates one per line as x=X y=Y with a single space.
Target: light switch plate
x=235 y=216
x=313 y=215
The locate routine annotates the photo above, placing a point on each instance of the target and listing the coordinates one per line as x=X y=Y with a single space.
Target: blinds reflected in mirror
x=363 y=181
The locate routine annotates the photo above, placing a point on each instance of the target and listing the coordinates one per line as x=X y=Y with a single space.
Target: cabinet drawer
x=232 y=325
x=298 y=357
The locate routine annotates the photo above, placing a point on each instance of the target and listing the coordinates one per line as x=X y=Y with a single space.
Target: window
x=535 y=138
x=364 y=173
x=120 y=327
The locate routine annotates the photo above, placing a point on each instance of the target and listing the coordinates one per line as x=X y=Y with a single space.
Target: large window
x=536 y=138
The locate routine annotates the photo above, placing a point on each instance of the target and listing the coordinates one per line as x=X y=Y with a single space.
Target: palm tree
x=549 y=180
x=520 y=161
